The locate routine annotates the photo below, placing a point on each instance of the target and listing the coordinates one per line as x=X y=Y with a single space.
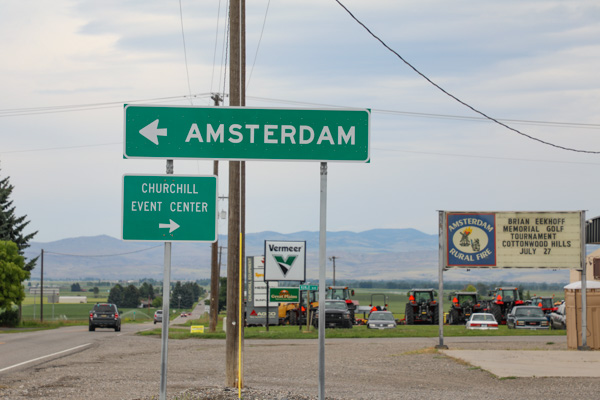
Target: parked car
x=337 y=315
x=105 y=315
x=157 y=316
x=527 y=317
x=558 y=319
x=381 y=320
x=482 y=321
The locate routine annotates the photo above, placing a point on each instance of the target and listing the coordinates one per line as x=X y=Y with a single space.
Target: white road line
x=41 y=358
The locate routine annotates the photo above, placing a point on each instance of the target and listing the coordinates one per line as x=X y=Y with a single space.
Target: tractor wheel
x=497 y=313
x=409 y=317
x=436 y=315
x=292 y=318
x=452 y=317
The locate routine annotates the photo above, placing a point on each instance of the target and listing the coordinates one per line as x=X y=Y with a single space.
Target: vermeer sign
x=514 y=239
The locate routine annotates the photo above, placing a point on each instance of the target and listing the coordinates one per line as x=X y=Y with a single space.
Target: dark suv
x=105 y=315
x=337 y=315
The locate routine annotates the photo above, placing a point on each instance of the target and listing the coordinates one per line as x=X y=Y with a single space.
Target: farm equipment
x=462 y=305
x=421 y=307
x=502 y=302
x=295 y=313
x=343 y=293
x=377 y=307
x=545 y=303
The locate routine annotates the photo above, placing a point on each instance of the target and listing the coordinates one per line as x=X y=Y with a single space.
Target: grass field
x=294 y=332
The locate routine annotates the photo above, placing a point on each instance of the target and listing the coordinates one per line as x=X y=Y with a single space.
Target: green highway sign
x=169 y=208
x=242 y=133
x=309 y=287
x=284 y=295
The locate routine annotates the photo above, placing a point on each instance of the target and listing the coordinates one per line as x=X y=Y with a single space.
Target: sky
x=69 y=66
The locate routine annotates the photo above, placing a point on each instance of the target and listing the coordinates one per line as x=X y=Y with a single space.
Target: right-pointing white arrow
x=172 y=225
x=151 y=132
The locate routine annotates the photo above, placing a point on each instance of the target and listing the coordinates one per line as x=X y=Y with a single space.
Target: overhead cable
x=101 y=255
x=258 y=45
x=15 y=112
x=456 y=98
x=187 y=72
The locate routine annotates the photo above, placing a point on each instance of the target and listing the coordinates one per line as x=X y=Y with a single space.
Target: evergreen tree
x=131 y=297
x=115 y=295
x=12 y=227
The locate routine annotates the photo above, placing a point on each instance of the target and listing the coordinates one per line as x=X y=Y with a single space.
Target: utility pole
x=215 y=269
x=333 y=258
x=233 y=356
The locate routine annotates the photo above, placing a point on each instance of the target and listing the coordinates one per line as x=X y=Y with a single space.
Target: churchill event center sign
x=513 y=239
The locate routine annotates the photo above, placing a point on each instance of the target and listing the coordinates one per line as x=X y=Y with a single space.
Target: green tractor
x=462 y=305
x=422 y=308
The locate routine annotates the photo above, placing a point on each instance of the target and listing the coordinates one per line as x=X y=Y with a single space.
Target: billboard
x=513 y=239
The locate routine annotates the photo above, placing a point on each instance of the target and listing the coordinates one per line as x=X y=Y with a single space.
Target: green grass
x=293 y=332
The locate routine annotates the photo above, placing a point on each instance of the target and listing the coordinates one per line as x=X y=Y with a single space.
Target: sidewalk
x=532 y=363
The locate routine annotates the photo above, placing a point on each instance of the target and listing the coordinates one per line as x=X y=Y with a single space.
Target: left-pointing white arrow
x=172 y=225
x=151 y=132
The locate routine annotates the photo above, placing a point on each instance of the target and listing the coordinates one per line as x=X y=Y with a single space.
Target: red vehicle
x=545 y=303
x=502 y=302
x=343 y=293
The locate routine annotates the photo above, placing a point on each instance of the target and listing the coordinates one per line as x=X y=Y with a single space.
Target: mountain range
x=378 y=254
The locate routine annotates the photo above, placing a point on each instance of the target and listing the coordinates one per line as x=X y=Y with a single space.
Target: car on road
x=482 y=321
x=337 y=315
x=527 y=317
x=381 y=320
x=104 y=315
x=157 y=316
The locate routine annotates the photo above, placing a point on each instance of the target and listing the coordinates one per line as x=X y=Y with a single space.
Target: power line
x=61 y=148
x=212 y=77
x=456 y=98
x=258 y=45
x=16 y=112
x=187 y=72
x=437 y=116
x=101 y=255
x=483 y=157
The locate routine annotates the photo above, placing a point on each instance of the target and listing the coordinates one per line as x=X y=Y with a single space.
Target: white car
x=157 y=316
x=381 y=320
x=482 y=321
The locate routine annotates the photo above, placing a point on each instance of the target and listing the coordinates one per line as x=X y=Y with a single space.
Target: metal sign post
x=441 y=262
x=322 y=283
x=165 y=306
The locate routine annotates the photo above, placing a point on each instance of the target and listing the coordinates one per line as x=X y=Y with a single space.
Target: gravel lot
x=128 y=367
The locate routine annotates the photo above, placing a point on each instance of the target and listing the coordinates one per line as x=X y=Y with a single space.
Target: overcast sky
x=516 y=61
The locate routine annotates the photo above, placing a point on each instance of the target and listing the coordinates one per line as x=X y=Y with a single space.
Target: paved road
x=24 y=349
x=196 y=313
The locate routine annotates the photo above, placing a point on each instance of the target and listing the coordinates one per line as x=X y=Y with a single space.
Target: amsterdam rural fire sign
x=513 y=239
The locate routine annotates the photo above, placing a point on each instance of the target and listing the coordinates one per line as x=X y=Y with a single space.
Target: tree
x=146 y=291
x=131 y=297
x=470 y=288
x=12 y=275
x=76 y=287
x=12 y=227
x=116 y=295
x=222 y=293
x=96 y=291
